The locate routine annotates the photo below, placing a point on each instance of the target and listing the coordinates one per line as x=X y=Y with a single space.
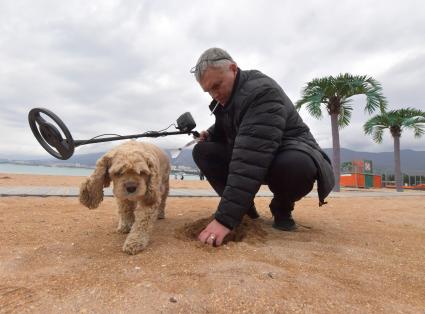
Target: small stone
x=270 y=274
x=173 y=300
x=137 y=268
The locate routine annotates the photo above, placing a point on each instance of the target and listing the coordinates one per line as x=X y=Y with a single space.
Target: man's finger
x=203 y=236
x=210 y=241
x=219 y=241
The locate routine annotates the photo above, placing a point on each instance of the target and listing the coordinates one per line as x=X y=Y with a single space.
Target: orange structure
x=359 y=174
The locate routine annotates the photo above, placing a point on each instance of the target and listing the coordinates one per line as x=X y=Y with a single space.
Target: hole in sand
x=249 y=230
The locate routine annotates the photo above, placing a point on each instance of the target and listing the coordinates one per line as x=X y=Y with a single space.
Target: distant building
x=359 y=174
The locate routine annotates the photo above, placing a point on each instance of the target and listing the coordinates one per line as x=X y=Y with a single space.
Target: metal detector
x=56 y=145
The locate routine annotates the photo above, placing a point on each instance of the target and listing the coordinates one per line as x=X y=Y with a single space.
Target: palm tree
x=334 y=93
x=396 y=121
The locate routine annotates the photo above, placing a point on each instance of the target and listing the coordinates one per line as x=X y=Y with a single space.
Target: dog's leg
x=138 y=238
x=164 y=194
x=126 y=215
x=161 y=210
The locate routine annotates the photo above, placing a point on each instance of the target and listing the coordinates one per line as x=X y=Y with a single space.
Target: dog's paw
x=123 y=229
x=133 y=247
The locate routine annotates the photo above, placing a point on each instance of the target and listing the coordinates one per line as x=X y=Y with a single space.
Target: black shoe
x=252 y=213
x=286 y=223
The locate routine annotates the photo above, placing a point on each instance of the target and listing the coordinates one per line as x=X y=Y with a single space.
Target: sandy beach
x=354 y=255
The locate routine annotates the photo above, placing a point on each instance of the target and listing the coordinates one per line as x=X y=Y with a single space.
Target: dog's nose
x=131 y=188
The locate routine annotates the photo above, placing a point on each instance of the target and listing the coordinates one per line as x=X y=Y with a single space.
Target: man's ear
x=91 y=190
x=234 y=68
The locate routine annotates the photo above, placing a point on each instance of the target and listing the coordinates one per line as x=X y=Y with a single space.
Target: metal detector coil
x=49 y=136
x=62 y=147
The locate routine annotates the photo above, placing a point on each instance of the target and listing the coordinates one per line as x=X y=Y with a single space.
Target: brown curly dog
x=140 y=175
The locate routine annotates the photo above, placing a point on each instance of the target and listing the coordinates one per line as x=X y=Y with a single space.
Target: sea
x=67 y=171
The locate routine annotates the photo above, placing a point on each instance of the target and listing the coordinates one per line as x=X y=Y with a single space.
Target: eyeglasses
x=198 y=65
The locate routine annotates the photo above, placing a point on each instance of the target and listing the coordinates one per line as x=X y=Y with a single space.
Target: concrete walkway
x=44 y=191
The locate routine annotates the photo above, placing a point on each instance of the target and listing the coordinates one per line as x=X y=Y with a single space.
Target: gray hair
x=212 y=57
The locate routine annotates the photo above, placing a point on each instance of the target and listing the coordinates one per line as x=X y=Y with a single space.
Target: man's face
x=218 y=82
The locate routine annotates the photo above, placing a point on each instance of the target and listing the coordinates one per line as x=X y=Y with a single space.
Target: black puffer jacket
x=258 y=121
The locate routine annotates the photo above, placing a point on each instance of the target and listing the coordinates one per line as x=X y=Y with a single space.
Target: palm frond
x=418 y=131
x=413 y=119
x=349 y=85
x=376 y=126
x=399 y=119
x=314 y=94
x=315 y=110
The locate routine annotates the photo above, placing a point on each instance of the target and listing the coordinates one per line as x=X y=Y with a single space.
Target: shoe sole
x=280 y=228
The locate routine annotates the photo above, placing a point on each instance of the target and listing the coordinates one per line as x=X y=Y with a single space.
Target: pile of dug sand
x=249 y=230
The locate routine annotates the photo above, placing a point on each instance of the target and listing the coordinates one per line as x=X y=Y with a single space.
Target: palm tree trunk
x=397 y=164
x=336 y=160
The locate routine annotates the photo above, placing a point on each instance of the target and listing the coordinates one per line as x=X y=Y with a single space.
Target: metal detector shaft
x=126 y=137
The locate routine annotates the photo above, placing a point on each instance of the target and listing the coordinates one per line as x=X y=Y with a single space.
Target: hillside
x=89 y=160
x=412 y=162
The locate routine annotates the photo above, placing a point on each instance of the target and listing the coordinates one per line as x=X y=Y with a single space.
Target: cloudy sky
x=112 y=66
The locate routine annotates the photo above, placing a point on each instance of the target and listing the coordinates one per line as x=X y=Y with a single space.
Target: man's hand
x=213 y=234
x=203 y=135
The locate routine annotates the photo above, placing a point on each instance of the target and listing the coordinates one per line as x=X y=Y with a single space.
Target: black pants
x=291 y=175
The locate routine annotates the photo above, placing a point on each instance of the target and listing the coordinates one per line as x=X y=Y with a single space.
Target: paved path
x=43 y=191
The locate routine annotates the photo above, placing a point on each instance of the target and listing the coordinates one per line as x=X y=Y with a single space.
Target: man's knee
x=292 y=170
x=211 y=151
x=196 y=152
x=201 y=152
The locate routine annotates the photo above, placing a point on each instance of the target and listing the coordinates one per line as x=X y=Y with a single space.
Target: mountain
x=412 y=162
x=184 y=158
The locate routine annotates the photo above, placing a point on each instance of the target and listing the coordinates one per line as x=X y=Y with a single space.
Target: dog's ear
x=152 y=194
x=141 y=166
x=91 y=190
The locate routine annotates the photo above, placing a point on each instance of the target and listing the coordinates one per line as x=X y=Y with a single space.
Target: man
x=258 y=138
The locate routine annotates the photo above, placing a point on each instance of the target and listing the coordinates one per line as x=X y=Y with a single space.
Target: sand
x=354 y=255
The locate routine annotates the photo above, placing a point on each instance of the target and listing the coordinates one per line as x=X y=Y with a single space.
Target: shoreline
x=18 y=179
